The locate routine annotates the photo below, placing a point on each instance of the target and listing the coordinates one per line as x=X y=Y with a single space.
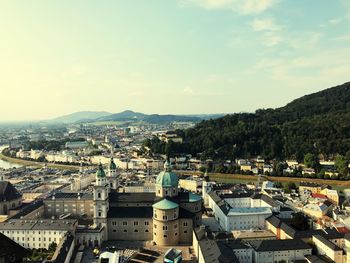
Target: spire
x=100 y=172
x=167 y=166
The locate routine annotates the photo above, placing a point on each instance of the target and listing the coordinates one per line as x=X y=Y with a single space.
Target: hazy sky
x=167 y=56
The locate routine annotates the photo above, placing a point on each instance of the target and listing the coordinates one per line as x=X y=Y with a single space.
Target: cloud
x=265 y=24
x=271 y=39
x=335 y=21
x=189 y=91
x=244 y=7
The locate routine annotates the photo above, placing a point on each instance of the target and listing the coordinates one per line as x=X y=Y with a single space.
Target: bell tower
x=101 y=200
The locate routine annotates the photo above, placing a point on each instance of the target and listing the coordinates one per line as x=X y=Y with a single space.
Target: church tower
x=112 y=176
x=101 y=200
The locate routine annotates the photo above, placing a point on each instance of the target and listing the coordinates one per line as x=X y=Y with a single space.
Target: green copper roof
x=100 y=172
x=165 y=204
x=193 y=197
x=112 y=165
x=167 y=178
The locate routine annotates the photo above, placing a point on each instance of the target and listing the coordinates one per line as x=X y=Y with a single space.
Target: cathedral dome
x=100 y=172
x=165 y=204
x=167 y=178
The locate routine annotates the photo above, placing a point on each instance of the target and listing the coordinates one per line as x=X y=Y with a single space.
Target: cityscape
x=130 y=133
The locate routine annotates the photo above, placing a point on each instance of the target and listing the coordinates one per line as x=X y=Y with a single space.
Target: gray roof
x=42 y=224
x=115 y=197
x=327 y=243
x=86 y=196
x=274 y=220
x=130 y=212
x=278 y=245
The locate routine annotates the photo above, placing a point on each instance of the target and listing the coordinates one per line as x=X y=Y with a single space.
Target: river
x=6 y=164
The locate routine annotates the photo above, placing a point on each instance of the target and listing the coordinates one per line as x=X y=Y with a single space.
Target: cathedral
x=166 y=216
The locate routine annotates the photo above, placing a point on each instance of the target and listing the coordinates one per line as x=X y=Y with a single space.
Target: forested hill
x=316 y=123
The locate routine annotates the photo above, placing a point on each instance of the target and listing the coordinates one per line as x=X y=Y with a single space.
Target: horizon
x=180 y=57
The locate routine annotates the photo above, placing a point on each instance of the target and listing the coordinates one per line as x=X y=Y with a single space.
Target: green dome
x=165 y=204
x=100 y=172
x=112 y=165
x=193 y=197
x=167 y=178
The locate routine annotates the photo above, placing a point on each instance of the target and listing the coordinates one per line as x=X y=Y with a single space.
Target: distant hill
x=79 y=116
x=127 y=115
x=318 y=123
x=130 y=116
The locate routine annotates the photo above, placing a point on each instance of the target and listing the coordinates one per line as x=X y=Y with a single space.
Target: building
x=10 y=198
x=270 y=251
x=39 y=233
x=325 y=247
x=241 y=211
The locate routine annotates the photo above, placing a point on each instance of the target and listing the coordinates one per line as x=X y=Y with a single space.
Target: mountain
x=127 y=115
x=318 y=123
x=79 y=116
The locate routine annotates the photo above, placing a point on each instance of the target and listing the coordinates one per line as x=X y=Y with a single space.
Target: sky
x=167 y=56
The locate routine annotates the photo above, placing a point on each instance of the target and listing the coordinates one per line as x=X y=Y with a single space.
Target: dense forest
x=318 y=123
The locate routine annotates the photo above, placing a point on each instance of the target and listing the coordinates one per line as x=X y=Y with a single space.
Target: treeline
x=52 y=145
x=318 y=123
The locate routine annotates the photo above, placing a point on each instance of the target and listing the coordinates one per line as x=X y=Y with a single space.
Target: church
x=166 y=216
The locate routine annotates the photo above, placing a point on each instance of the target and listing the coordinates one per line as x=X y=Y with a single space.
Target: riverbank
x=37 y=164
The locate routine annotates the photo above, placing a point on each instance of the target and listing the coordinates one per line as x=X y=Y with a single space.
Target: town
x=81 y=193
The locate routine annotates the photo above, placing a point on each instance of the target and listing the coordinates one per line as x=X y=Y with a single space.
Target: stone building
x=166 y=216
x=10 y=198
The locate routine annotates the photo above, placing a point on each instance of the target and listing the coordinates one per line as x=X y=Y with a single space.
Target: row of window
x=175 y=234
x=39 y=239
x=165 y=217
x=23 y=232
x=126 y=231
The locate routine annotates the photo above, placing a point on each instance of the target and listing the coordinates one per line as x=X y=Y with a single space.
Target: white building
x=241 y=212
x=287 y=250
x=37 y=233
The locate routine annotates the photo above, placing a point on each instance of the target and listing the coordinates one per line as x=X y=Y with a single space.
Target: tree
x=300 y=222
x=277 y=185
x=52 y=247
x=311 y=161
x=291 y=186
x=341 y=164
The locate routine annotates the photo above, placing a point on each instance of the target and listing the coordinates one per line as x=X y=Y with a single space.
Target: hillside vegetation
x=318 y=123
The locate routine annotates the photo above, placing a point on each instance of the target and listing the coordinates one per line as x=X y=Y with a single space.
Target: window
x=165 y=217
x=165 y=236
x=136 y=223
x=175 y=226
x=185 y=223
x=125 y=223
x=125 y=231
x=136 y=231
x=185 y=232
x=99 y=213
x=114 y=223
x=99 y=195
x=146 y=231
x=155 y=226
x=175 y=233
x=146 y=223
x=165 y=227
x=114 y=230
